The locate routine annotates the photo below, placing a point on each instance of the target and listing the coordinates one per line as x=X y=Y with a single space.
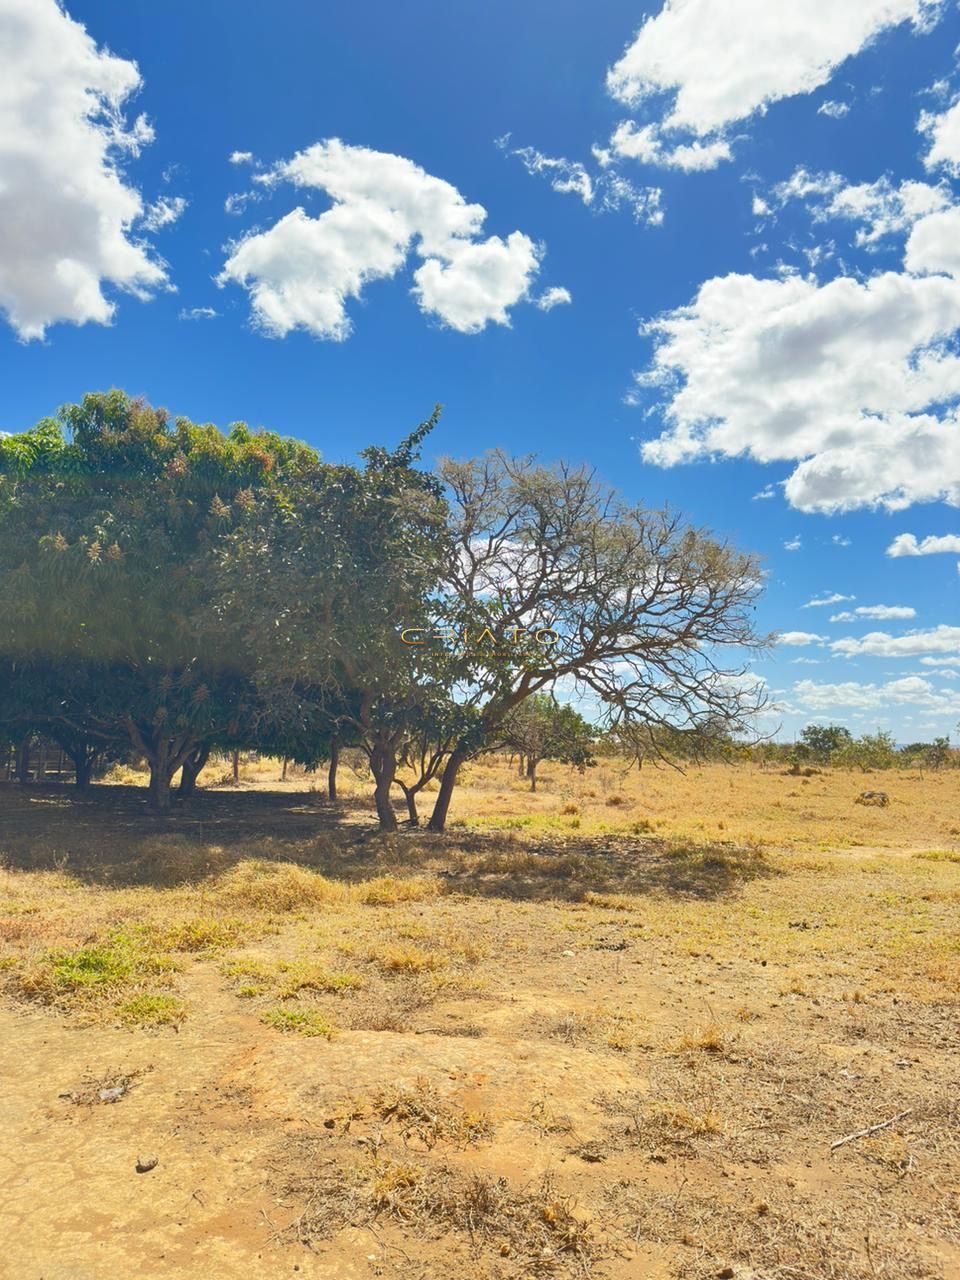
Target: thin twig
x=874 y=1128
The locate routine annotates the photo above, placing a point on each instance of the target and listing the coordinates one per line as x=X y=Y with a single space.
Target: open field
x=611 y=1029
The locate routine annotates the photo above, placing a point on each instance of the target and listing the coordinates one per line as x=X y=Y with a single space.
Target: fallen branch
x=874 y=1128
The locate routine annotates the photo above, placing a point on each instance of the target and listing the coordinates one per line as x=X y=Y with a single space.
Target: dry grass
x=398 y=1037
x=739 y=803
x=536 y=1229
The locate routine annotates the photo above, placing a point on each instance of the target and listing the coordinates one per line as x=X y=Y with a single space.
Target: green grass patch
x=98 y=971
x=152 y=1011
x=303 y=1022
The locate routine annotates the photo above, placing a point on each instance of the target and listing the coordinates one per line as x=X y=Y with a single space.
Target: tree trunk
x=83 y=761
x=532 y=763
x=383 y=765
x=438 y=819
x=161 y=775
x=236 y=767
x=283 y=771
x=523 y=768
x=332 y=770
x=410 y=795
x=23 y=762
x=192 y=767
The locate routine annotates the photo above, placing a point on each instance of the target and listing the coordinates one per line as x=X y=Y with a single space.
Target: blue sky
x=717 y=255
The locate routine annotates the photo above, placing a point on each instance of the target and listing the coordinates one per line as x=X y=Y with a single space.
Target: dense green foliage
x=170 y=588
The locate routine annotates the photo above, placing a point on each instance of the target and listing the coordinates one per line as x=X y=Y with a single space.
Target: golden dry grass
x=715 y=803
x=495 y=1054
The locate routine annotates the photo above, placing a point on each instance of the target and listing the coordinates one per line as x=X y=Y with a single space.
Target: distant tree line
x=834 y=744
x=174 y=590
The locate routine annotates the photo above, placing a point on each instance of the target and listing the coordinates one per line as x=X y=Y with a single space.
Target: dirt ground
x=629 y=1046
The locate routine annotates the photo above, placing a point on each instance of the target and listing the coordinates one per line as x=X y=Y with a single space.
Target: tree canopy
x=170 y=587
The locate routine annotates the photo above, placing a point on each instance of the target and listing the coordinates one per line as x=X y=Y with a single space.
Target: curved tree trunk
x=191 y=769
x=383 y=765
x=438 y=819
x=532 y=763
x=410 y=795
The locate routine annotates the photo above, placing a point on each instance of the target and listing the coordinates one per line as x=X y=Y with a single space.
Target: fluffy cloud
x=934 y=244
x=879 y=612
x=646 y=144
x=906 y=544
x=793 y=544
x=604 y=192
x=66 y=211
x=943 y=131
x=878 y=644
x=198 y=313
x=855 y=381
x=821 y=602
x=711 y=63
x=799 y=638
x=302 y=271
x=908 y=691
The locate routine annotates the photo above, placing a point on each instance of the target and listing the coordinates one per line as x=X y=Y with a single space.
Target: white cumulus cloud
x=855 y=381
x=934 y=244
x=879 y=644
x=906 y=544
x=302 y=271
x=799 y=638
x=647 y=145
x=66 y=211
x=878 y=612
x=907 y=691
x=942 y=130
x=708 y=64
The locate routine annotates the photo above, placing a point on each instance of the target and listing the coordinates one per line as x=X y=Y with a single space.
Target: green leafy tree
x=824 y=741
x=869 y=751
x=543 y=729
x=112 y=522
x=324 y=577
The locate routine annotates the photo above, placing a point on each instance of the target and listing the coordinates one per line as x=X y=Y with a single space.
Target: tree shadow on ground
x=109 y=838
